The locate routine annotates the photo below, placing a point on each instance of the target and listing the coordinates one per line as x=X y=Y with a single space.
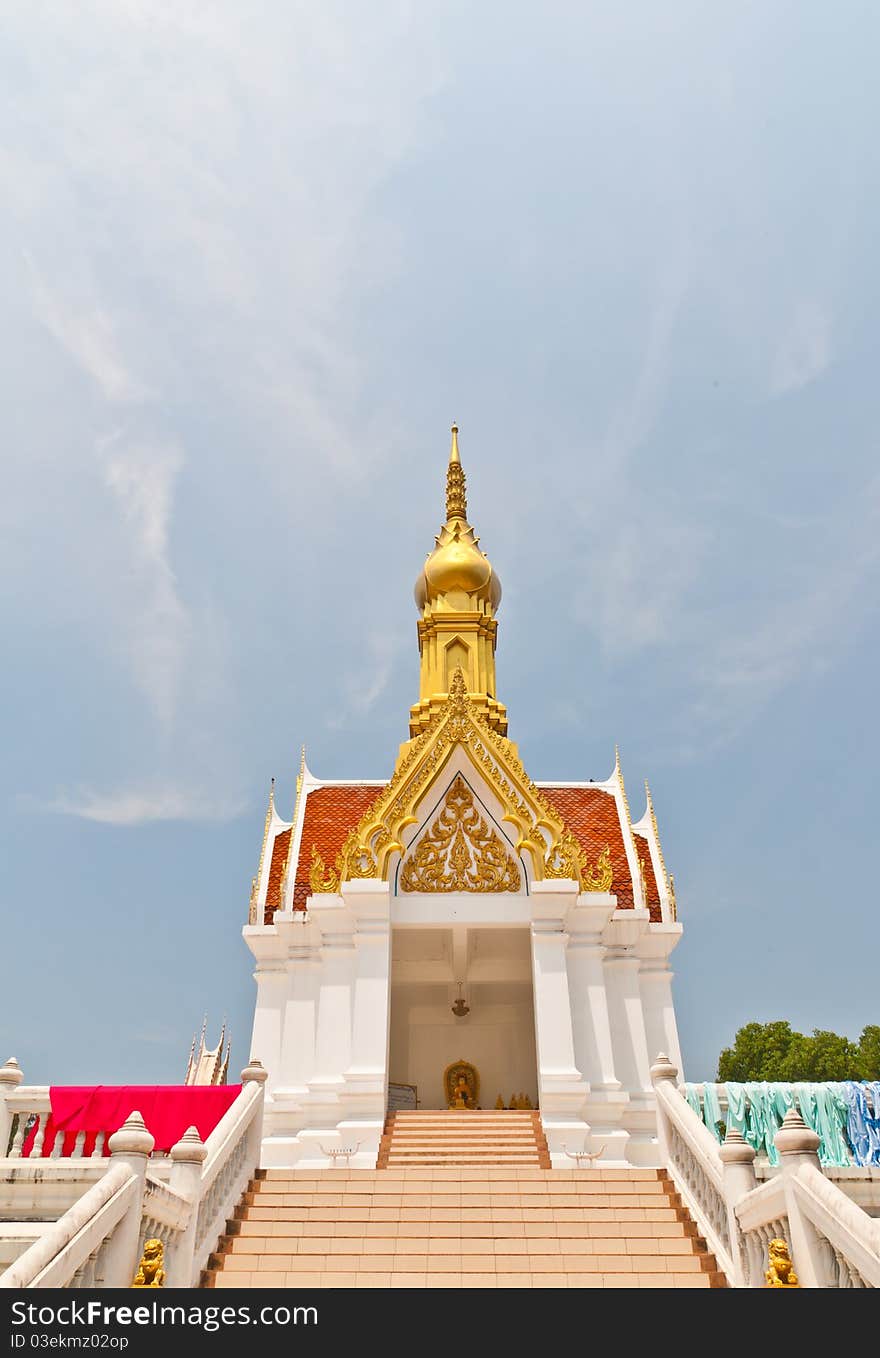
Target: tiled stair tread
x=452 y=1138
x=496 y=1227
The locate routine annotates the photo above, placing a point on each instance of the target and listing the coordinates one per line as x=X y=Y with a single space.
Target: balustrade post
x=187 y=1157
x=738 y=1161
x=254 y=1073
x=663 y=1071
x=130 y=1146
x=798 y=1145
x=10 y=1078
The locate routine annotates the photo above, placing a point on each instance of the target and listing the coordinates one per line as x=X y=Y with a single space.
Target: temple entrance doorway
x=439 y=973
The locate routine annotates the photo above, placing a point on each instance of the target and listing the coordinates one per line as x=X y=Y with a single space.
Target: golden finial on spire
x=257 y=882
x=457 y=594
x=670 y=881
x=456 y=486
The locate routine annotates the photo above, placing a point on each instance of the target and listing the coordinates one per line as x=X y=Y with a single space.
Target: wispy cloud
x=361 y=692
x=87 y=335
x=804 y=350
x=805 y=632
x=137 y=806
x=156 y=625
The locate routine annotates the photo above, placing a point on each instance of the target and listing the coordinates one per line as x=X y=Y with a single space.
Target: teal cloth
x=764 y=1116
x=756 y=1109
x=692 y=1094
x=736 y=1107
x=824 y=1109
x=712 y=1114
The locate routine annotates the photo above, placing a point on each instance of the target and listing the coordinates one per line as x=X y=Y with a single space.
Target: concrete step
x=497 y=1228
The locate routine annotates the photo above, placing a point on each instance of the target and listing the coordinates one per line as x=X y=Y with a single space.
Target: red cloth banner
x=167 y=1110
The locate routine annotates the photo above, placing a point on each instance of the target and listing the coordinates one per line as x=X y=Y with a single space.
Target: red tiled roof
x=643 y=849
x=591 y=815
x=329 y=815
x=276 y=872
x=330 y=812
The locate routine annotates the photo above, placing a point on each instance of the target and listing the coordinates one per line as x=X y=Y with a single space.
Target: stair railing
x=98 y=1242
x=830 y=1240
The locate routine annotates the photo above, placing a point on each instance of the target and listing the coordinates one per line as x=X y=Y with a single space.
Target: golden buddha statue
x=461 y=1094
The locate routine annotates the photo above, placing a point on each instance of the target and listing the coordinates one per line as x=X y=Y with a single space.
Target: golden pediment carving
x=460 y=851
x=537 y=827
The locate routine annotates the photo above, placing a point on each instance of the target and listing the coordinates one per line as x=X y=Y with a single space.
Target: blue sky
x=255 y=259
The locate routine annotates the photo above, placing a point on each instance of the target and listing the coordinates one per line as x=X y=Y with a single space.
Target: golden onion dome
x=456 y=564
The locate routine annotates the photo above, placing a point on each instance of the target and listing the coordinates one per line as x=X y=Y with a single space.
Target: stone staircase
x=469 y=1138
x=495 y=1225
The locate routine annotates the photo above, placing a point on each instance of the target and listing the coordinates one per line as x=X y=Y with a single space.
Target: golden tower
x=457 y=593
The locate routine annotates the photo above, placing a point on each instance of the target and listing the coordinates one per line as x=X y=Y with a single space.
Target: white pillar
x=267 y=1037
x=300 y=1023
x=369 y=902
x=593 y=1038
x=561 y=1089
x=335 y=979
x=653 y=944
x=366 y=1079
x=628 y=1024
x=593 y=1047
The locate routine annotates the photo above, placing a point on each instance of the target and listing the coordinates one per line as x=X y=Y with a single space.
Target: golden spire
x=457 y=594
x=670 y=881
x=256 y=882
x=456 y=483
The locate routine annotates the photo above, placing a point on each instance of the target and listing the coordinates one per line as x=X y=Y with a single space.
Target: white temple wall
x=497 y=1036
x=570 y=1001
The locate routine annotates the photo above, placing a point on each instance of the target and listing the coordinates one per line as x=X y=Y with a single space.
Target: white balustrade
x=832 y=1242
x=97 y=1242
x=692 y=1157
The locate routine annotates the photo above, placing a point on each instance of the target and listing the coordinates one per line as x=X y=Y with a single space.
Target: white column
x=628 y=1024
x=661 y=1030
x=653 y=946
x=333 y=1034
x=366 y=1079
x=269 y=946
x=593 y=1048
x=561 y=1089
x=268 y=1030
x=369 y=902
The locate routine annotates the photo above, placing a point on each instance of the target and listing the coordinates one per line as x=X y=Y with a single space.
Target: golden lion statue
x=151 y=1272
x=781 y=1271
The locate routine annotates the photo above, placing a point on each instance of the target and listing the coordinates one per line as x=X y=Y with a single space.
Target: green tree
x=759 y=1052
x=824 y=1056
x=869 y=1053
x=774 y=1051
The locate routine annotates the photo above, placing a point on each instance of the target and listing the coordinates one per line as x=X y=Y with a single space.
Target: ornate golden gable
x=460 y=851
x=539 y=830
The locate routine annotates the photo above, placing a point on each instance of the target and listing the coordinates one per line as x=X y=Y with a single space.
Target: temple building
x=456 y=916
x=208 y=1065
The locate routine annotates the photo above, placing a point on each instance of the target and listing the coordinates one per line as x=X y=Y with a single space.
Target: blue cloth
x=874 y=1122
x=857 y=1115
